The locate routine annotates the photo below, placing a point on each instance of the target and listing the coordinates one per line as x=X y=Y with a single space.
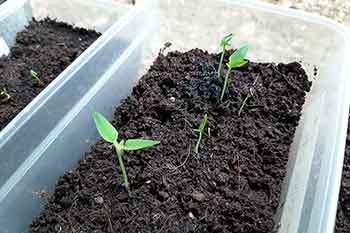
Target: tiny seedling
x=35 y=76
x=200 y=132
x=110 y=134
x=225 y=42
x=4 y=93
x=250 y=94
x=237 y=59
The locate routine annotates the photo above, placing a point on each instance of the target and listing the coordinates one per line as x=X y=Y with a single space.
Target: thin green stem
x=120 y=154
x=198 y=142
x=225 y=84
x=243 y=104
x=221 y=61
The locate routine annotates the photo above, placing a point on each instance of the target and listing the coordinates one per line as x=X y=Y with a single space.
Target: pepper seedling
x=225 y=42
x=200 y=132
x=4 y=93
x=110 y=134
x=237 y=59
x=35 y=76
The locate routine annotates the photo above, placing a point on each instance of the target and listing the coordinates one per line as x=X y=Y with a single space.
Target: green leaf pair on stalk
x=237 y=59
x=110 y=134
x=224 y=43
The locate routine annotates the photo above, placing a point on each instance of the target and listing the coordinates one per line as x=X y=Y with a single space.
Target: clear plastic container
x=310 y=193
x=25 y=132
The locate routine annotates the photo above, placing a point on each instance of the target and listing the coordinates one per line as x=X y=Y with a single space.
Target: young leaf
x=226 y=41
x=238 y=56
x=203 y=123
x=137 y=144
x=33 y=73
x=105 y=129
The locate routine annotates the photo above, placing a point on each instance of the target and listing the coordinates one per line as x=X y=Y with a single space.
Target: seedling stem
x=237 y=59
x=225 y=42
x=250 y=94
x=225 y=84
x=200 y=132
x=35 y=76
x=245 y=102
x=120 y=154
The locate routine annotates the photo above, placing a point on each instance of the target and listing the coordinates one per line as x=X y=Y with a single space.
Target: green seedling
x=200 y=132
x=225 y=42
x=4 y=93
x=110 y=134
x=237 y=59
x=35 y=76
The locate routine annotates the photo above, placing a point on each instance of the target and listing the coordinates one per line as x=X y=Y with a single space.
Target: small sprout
x=225 y=42
x=35 y=76
x=237 y=59
x=250 y=94
x=245 y=101
x=200 y=131
x=110 y=134
x=4 y=93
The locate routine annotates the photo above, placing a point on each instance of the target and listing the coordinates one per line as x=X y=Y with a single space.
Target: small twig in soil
x=183 y=164
x=35 y=76
x=200 y=131
x=166 y=220
x=109 y=218
x=41 y=194
x=237 y=59
x=4 y=93
x=288 y=82
x=224 y=43
x=110 y=134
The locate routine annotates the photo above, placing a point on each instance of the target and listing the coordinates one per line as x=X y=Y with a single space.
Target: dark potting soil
x=232 y=185
x=46 y=47
x=343 y=213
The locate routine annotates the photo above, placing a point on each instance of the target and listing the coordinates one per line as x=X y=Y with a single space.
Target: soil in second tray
x=343 y=214
x=46 y=47
x=232 y=185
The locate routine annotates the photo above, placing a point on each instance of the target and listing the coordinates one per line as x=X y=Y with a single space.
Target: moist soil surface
x=46 y=47
x=343 y=214
x=232 y=185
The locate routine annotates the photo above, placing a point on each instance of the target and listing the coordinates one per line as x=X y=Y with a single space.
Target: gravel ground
x=336 y=9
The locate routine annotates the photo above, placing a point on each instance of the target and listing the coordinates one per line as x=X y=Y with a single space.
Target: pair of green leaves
x=237 y=59
x=110 y=134
x=226 y=41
